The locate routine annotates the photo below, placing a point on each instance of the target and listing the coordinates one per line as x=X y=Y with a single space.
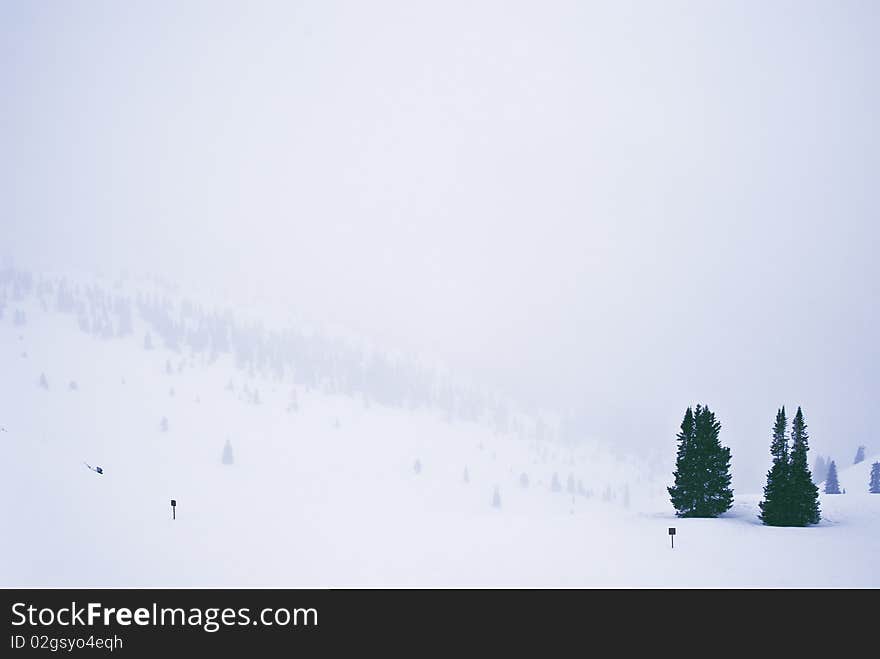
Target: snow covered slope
x=324 y=489
x=854 y=478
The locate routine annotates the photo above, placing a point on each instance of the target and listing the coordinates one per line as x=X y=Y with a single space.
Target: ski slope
x=326 y=494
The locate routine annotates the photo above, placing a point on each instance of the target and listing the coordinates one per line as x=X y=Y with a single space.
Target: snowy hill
x=330 y=485
x=853 y=479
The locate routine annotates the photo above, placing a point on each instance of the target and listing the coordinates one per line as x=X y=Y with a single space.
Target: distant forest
x=311 y=360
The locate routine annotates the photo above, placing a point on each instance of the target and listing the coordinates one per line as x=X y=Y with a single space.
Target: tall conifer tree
x=802 y=492
x=774 y=507
x=681 y=493
x=702 y=468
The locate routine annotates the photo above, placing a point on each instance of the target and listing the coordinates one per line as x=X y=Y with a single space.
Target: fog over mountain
x=610 y=209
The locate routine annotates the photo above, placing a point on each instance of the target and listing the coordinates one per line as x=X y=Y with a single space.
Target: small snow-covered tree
x=227 y=458
x=832 y=485
x=417 y=466
x=860 y=455
x=44 y=383
x=524 y=480
x=148 y=341
x=73 y=386
x=163 y=424
x=496 y=498
x=874 y=483
x=467 y=477
x=555 y=485
x=569 y=486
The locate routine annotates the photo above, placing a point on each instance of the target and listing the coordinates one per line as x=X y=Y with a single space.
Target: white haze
x=616 y=209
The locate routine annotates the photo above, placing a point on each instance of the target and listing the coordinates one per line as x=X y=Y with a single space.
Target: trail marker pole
x=672 y=536
x=173 y=509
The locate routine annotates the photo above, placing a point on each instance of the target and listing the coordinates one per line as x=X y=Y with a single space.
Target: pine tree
x=874 y=484
x=775 y=506
x=702 y=467
x=718 y=495
x=681 y=493
x=860 y=455
x=803 y=493
x=832 y=485
x=555 y=485
x=227 y=458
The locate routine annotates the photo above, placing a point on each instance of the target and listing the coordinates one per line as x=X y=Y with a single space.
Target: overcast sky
x=618 y=208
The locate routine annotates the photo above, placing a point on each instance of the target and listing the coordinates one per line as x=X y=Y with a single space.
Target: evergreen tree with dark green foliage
x=680 y=493
x=874 y=484
x=702 y=467
x=832 y=485
x=775 y=506
x=802 y=492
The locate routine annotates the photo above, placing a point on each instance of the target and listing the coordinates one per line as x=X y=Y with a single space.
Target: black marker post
x=173 y=509
x=672 y=536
